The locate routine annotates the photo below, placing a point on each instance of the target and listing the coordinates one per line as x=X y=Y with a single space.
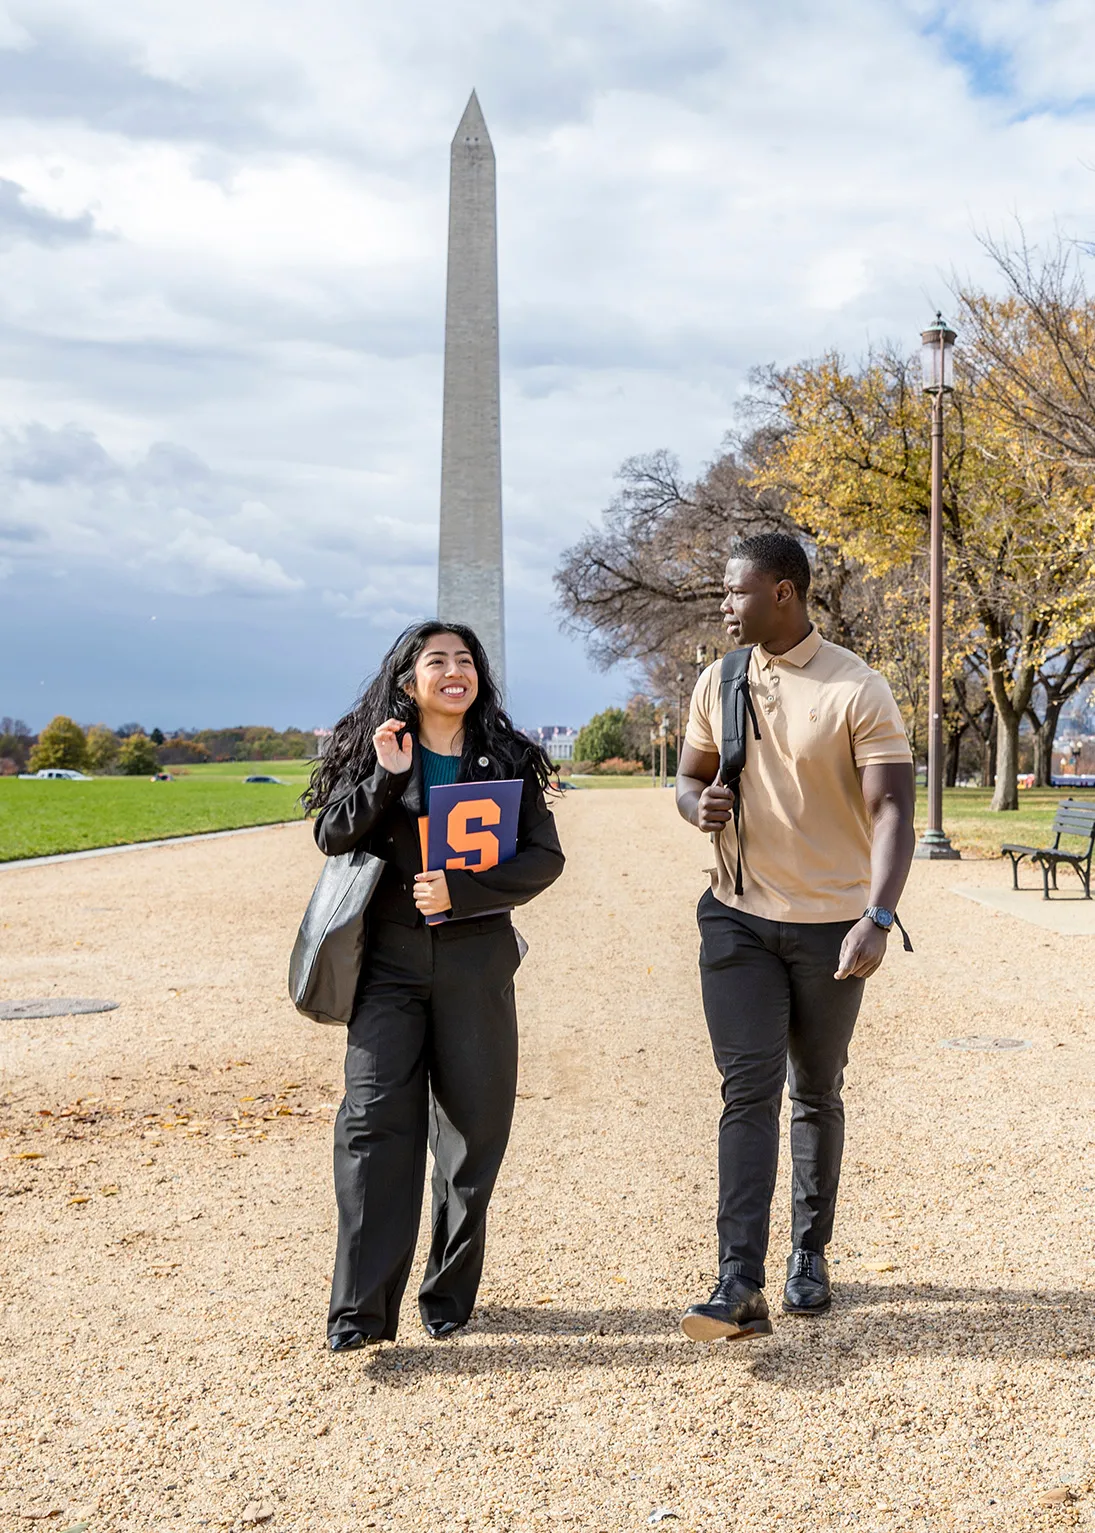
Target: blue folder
x=472 y=825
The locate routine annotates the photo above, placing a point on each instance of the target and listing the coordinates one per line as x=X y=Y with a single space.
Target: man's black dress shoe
x=440 y=1329
x=807 y=1290
x=734 y=1311
x=348 y=1341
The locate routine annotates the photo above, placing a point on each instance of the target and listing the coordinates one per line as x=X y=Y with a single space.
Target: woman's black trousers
x=431 y=1057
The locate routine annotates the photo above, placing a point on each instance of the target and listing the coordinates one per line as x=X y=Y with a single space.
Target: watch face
x=881 y=917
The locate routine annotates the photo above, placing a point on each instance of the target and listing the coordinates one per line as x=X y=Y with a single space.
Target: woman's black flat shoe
x=440 y=1329
x=348 y=1341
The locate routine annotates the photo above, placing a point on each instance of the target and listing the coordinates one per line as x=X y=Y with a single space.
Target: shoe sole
x=704 y=1328
x=813 y=1309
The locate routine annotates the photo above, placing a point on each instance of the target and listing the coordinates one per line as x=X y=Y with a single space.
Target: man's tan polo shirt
x=805 y=831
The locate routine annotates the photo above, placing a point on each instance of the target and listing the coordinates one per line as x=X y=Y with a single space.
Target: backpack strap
x=737 y=713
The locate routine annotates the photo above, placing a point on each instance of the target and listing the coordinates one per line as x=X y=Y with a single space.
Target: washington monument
x=470 y=566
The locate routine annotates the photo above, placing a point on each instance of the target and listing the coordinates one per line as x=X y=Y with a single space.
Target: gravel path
x=166 y=1227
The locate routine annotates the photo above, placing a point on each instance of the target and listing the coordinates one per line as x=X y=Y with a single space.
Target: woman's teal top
x=437 y=770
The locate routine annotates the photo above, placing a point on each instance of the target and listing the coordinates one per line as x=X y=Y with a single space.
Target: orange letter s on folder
x=486 y=812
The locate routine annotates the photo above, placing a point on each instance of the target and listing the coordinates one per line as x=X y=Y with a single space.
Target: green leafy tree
x=61 y=744
x=605 y=735
x=137 y=756
x=102 y=748
x=157 y=737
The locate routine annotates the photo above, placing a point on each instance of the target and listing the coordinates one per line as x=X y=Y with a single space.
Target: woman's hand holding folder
x=431 y=894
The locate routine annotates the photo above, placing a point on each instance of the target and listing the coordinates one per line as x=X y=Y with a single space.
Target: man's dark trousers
x=431 y=1056
x=775 y=1013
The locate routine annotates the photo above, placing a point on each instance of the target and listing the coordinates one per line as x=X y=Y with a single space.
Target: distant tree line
x=131 y=751
x=837 y=453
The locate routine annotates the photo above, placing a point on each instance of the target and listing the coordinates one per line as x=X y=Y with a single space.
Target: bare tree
x=647 y=583
x=1060 y=677
x=1034 y=357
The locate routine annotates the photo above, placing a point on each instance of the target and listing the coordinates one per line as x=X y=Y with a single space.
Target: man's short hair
x=775 y=554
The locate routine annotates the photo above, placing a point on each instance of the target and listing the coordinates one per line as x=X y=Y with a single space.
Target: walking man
x=812 y=849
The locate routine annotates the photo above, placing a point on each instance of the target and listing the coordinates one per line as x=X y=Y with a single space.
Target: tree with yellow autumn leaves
x=851 y=456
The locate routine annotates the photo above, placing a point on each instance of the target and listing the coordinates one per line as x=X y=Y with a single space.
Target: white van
x=62 y=772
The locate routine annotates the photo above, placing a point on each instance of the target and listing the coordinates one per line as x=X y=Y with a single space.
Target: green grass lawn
x=40 y=818
x=595 y=780
x=289 y=771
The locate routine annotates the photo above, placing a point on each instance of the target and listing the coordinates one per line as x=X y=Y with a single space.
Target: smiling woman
x=433 y=1034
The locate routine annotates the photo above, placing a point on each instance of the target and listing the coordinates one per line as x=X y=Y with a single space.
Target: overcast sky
x=222 y=262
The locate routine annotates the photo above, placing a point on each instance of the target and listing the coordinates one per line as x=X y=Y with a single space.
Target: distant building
x=557 y=739
x=323 y=739
x=1075 y=760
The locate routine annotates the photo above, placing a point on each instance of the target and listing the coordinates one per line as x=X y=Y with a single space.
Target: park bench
x=1073 y=818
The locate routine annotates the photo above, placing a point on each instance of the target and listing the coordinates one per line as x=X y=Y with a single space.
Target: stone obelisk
x=470 y=566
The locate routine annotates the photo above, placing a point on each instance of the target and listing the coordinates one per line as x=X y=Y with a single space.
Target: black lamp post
x=937 y=357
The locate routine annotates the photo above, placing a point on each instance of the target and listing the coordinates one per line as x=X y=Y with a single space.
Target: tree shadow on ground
x=868 y=1325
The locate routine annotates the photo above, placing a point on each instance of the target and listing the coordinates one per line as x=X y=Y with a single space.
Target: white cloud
x=686 y=189
x=215 y=565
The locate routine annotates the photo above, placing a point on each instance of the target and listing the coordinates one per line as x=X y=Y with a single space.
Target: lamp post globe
x=937 y=357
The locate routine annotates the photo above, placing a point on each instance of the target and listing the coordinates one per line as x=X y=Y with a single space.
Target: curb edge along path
x=143 y=846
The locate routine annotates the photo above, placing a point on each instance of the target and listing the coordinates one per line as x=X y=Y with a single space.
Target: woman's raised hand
x=393 y=755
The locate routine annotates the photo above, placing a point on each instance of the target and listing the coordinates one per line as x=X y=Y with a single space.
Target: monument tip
x=472 y=127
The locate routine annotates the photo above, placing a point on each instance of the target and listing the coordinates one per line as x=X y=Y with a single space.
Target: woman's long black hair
x=488 y=730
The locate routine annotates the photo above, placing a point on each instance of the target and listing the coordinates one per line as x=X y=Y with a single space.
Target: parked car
x=63 y=773
x=260 y=777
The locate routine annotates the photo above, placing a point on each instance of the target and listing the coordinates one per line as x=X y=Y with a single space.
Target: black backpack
x=737 y=711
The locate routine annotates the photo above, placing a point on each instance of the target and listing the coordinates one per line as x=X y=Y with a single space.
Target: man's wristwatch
x=881 y=917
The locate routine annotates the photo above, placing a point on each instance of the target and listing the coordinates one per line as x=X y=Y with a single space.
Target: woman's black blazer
x=383 y=812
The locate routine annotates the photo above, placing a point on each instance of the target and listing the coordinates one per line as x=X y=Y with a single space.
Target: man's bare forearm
x=892 y=847
x=889 y=791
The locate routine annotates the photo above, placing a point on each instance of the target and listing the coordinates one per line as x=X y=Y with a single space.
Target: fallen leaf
x=322 y=1430
x=54 y=1511
x=109 y=1192
x=257 y=1511
x=545 y=1298
x=880 y=1266
x=80 y=1199
x=1058 y=1496
x=28 y=1155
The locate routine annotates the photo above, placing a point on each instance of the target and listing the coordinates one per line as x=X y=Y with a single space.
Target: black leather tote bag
x=326 y=962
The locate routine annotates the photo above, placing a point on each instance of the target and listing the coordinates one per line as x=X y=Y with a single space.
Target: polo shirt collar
x=801 y=655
